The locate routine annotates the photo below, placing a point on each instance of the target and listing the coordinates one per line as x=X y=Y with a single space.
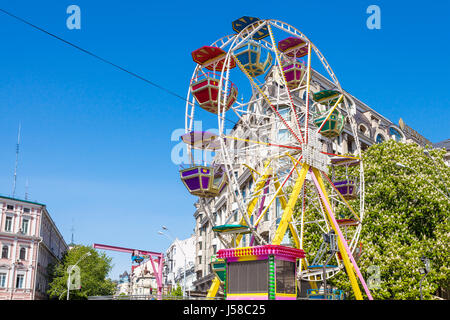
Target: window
x=284 y=112
x=23 y=254
x=279 y=210
x=25 y=223
x=5 y=252
x=397 y=135
x=380 y=138
x=200 y=260
x=214 y=248
x=200 y=245
x=19 y=281
x=266 y=215
x=285 y=276
x=8 y=224
x=9 y=207
x=26 y=210
x=2 y=280
x=247 y=276
x=283 y=135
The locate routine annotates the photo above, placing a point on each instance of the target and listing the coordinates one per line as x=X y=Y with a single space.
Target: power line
x=94 y=55
x=99 y=58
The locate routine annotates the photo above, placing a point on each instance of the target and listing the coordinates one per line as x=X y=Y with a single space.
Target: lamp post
x=182 y=251
x=401 y=165
x=424 y=271
x=69 y=270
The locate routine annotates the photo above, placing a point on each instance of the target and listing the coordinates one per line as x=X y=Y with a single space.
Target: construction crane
x=137 y=256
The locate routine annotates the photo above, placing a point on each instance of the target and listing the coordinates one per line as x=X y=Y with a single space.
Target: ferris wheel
x=283 y=132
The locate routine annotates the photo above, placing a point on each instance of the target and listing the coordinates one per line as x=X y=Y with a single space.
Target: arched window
x=364 y=130
x=23 y=254
x=379 y=138
x=397 y=135
x=5 y=252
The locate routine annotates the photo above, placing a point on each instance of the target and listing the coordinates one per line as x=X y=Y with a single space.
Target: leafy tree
x=178 y=292
x=406 y=217
x=93 y=271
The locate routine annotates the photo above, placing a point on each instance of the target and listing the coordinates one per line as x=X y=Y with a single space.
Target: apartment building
x=179 y=263
x=29 y=242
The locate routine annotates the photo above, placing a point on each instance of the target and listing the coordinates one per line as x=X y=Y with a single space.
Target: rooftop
x=21 y=200
x=443 y=144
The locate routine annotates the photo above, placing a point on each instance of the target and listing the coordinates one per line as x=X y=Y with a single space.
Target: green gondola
x=333 y=126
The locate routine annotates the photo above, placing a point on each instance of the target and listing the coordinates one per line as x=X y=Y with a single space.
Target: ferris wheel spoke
x=280 y=68
x=267 y=99
x=330 y=112
x=341 y=196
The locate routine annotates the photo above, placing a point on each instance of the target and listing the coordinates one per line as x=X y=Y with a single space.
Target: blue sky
x=96 y=142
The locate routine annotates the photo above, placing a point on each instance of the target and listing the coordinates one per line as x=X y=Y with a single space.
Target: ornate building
x=29 y=242
x=372 y=128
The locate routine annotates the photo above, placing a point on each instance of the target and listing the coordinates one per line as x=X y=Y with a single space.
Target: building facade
x=180 y=257
x=142 y=279
x=372 y=128
x=29 y=242
x=123 y=285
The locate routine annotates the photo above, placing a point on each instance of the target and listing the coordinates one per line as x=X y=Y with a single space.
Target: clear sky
x=96 y=142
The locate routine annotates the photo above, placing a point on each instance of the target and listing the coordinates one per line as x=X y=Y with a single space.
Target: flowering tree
x=406 y=217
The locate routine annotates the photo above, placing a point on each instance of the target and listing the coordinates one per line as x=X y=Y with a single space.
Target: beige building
x=372 y=128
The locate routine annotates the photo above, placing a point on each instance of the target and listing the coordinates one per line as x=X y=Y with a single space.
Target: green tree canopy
x=406 y=217
x=177 y=292
x=94 y=269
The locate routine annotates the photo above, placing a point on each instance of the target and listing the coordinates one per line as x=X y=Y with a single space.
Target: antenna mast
x=17 y=161
x=26 y=189
x=72 y=229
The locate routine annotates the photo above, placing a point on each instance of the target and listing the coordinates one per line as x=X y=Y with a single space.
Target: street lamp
x=182 y=251
x=69 y=270
x=424 y=271
x=401 y=165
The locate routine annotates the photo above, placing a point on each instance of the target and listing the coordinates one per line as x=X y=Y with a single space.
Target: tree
x=93 y=272
x=178 y=292
x=406 y=217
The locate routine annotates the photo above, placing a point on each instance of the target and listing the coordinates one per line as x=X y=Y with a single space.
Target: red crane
x=153 y=256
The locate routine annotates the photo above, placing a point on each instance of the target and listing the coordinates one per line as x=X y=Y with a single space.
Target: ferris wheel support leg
x=287 y=213
x=251 y=206
x=214 y=288
x=295 y=236
x=349 y=262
